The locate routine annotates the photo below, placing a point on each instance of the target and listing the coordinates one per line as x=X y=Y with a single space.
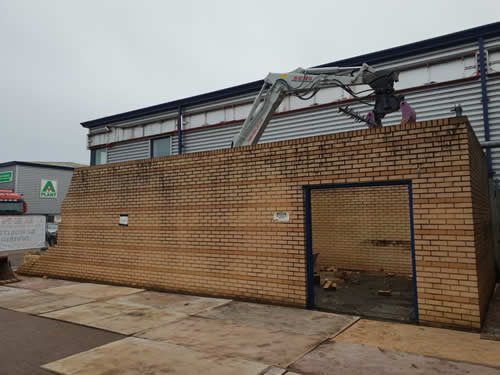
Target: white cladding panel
x=118 y=134
x=444 y=54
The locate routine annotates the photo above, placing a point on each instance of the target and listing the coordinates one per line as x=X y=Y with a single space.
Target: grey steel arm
x=303 y=82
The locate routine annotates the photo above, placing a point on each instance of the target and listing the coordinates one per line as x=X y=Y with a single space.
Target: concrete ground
x=16 y=257
x=165 y=333
x=491 y=328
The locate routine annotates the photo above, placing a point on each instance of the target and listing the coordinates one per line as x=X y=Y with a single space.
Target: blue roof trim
x=428 y=45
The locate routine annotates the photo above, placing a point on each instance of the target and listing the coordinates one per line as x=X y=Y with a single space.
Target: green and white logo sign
x=48 y=189
x=6 y=176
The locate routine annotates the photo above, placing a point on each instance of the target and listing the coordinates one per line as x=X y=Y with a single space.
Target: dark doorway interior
x=363 y=254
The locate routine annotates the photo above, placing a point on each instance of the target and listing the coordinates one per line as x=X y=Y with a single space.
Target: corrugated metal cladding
x=28 y=184
x=129 y=151
x=11 y=184
x=209 y=139
x=174 y=144
x=429 y=104
x=493 y=88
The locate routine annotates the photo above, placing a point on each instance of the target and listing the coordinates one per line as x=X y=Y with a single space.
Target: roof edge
x=39 y=165
x=426 y=45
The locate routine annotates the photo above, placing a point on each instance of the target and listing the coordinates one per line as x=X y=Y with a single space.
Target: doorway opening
x=360 y=245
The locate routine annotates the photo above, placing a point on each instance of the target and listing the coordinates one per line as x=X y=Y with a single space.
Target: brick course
x=203 y=223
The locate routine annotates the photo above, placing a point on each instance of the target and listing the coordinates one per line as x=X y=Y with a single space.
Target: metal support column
x=483 y=71
x=179 y=130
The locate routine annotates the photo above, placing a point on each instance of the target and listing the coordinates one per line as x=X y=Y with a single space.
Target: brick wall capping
x=293 y=142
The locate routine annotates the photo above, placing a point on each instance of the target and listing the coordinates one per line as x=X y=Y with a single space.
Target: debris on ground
x=31 y=256
x=329 y=285
x=387 y=292
x=331 y=278
x=338 y=276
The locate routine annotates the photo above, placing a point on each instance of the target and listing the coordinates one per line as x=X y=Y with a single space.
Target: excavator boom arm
x=303 y=82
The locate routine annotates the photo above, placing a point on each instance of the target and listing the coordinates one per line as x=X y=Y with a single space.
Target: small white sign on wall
x=124 y=220
x=281 y=217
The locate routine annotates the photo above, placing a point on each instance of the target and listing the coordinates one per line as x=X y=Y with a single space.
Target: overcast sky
x=64 y=62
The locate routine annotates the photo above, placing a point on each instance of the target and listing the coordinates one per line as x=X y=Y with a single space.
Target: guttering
x=490 y=144
x=483 y=71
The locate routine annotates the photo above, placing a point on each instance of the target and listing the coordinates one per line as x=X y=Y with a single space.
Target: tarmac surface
x=28 y=341
x=94 y=329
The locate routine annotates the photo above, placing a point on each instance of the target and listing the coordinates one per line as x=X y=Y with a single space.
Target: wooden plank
x=387 y=292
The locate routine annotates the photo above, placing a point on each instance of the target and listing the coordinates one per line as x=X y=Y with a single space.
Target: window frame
x=97 y=152
x=152 y=147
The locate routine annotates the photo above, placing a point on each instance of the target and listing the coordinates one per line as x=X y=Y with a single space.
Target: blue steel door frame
x=308 y=224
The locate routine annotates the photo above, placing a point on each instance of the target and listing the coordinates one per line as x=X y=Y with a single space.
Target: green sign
x=48 y=189
x=6 y=176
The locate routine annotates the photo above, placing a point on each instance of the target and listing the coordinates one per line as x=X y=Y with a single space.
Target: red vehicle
x=12 y=203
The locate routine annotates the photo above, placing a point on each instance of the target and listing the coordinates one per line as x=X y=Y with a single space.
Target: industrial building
x=435 y=75
x=42 y=185
x=394 y=221
x=246 y=222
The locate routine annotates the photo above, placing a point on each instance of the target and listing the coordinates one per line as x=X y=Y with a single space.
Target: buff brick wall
x=483 y=237
x=203 y=223
x=363 y=228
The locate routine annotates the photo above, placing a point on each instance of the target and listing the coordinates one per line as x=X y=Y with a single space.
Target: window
x=11 y=208
x=160 y=147
x=101 y=156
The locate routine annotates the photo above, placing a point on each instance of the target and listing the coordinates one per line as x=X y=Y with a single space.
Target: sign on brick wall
x=281 y=217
